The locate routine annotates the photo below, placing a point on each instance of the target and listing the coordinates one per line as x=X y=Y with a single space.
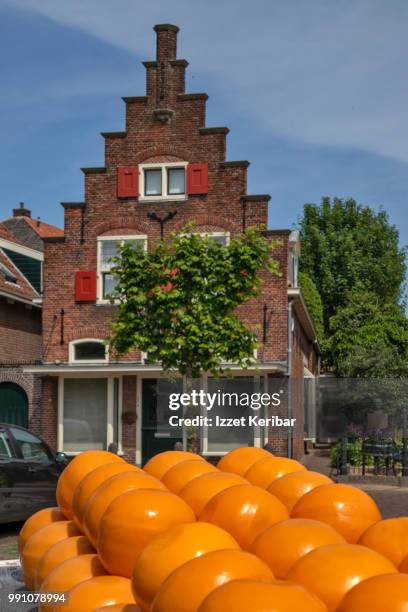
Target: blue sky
x=314 y=93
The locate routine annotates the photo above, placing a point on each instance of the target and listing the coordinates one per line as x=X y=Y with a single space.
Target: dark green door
x=13 y=404
x=156 y=437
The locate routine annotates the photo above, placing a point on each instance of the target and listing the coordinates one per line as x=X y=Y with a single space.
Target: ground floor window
x=218 y=440
x=89 y=414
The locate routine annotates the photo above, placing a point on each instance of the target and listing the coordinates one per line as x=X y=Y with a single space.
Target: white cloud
x=326 y=73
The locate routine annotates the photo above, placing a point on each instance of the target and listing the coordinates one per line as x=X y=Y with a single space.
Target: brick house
x=21 y=260
x=165 y=169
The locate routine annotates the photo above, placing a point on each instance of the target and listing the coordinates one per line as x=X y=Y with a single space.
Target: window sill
x=106 y=303
x=222 y=453
x=168 y=198
x=75 y=453
x=88 y=361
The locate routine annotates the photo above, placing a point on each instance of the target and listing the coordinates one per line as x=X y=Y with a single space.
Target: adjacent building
x=21 y=263
x=165 y=169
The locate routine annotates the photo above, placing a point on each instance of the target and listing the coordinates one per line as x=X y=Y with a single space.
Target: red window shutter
x=197 y=179
x=128 y=182
x=85 y=286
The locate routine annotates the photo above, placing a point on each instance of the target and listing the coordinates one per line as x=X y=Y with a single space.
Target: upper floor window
x=89 y=350
x=108 y=248
x=220 y=237
x=164 y=181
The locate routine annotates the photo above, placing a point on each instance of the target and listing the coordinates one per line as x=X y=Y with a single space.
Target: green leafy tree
x=368 y=347
x=346 y=245
x=369 y=339
x=313 y=302
x=178 y=301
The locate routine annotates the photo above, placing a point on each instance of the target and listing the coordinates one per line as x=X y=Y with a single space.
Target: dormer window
x=163 y=181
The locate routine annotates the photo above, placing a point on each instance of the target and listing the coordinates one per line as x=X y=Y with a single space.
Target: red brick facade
x=20 y=338
x=166 y=125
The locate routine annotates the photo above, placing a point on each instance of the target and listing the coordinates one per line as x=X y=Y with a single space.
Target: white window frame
x=110 y=409
x=226 y=234
x=215 y=234
x=100 y=271
x=74 y=343
x=258 y=439
x=164 y=195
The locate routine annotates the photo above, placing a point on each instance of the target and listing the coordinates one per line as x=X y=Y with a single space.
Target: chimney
x=165 y=76
x=22 y=211
x=166 y=43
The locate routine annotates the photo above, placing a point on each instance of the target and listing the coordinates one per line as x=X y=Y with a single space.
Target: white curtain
x=227 y=438
x=176 y=181
x=153 y=182
x=85 y=413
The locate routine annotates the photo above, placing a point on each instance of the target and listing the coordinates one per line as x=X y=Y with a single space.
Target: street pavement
x=11 y=582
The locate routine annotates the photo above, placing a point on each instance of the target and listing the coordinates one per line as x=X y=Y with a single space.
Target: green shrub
x=313 y=302
x=354 y=454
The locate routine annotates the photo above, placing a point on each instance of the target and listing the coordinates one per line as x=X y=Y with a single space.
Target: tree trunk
x=193 y=437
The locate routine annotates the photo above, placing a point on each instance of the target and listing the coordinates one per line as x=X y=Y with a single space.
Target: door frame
x=139 y=412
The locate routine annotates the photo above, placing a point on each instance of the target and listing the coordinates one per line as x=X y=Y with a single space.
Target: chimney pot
x=166 y=42
x=21 y=211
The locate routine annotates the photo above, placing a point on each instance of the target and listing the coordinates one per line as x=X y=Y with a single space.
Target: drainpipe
x=289 y=375
x=317 y=389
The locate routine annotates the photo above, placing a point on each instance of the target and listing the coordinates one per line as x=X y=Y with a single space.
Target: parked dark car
x=29 y=471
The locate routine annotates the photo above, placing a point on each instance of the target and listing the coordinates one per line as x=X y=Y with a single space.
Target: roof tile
x=44 y=230
x=6 y=235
